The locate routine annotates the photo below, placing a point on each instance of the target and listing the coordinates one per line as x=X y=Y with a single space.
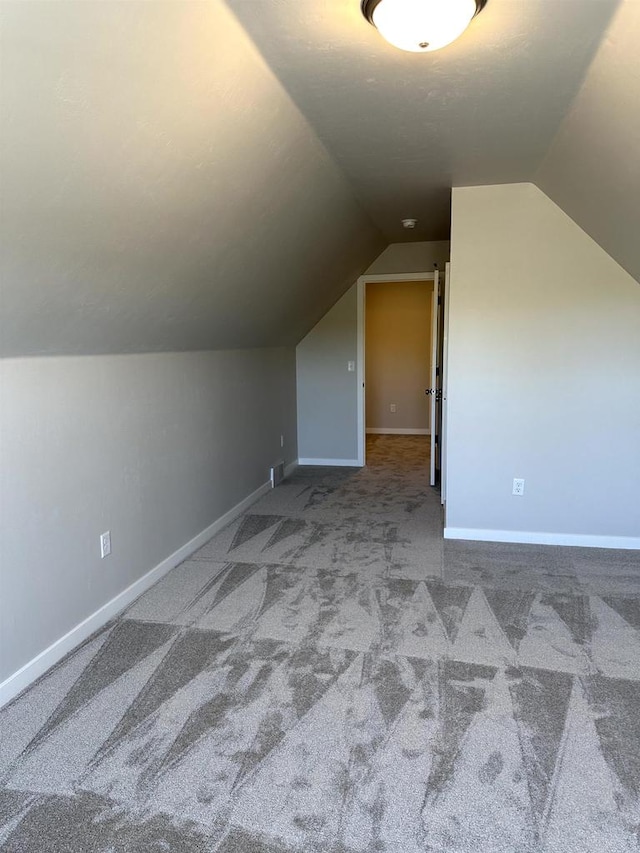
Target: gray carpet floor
x=328 y=674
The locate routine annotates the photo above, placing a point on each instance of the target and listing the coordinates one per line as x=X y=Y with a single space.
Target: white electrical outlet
x=105 y=544
x=351 y=366
x=518 y=486
x=393 y=408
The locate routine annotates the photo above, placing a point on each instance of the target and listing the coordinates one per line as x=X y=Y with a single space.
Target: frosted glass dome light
x=421 y=25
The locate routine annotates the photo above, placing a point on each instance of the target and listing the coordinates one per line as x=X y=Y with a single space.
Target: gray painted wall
x=160 y=190
x=592 y=169
x=153 y=448
x=544 y=371
x=327 y=393
x=326 y=390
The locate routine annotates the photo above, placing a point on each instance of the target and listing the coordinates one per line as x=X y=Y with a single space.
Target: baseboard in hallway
x=335 y=463
x=394 y=431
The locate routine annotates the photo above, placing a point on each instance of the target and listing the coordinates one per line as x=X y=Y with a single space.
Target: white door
x=434 y=378
x=445 y=358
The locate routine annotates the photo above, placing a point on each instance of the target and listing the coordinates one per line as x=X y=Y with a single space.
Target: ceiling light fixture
x=421 y=25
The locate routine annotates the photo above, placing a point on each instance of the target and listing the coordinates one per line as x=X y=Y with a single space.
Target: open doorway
x=398 y=363
x=397 y=357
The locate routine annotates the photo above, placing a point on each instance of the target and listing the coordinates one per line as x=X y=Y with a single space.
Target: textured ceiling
x=406 y=127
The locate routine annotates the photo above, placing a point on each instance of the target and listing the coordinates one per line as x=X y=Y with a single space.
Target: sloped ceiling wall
x=160 y=190
x=592 y=170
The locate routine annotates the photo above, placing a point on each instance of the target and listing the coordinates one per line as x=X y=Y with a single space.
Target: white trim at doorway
x=333 y=463
x=363 y=281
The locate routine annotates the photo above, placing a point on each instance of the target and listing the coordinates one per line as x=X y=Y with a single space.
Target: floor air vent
x=277 y=474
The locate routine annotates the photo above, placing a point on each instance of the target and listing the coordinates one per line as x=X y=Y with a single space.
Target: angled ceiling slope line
x=161 y=191
x=592 y=170
x=404 y=127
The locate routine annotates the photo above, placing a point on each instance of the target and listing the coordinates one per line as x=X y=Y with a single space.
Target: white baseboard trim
x=290 y=468
x=385 y=431
x=36 y=667
x=341 y=463
x=526 y=537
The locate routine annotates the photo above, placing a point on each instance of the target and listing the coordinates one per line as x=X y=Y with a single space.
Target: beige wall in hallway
x=398 y=333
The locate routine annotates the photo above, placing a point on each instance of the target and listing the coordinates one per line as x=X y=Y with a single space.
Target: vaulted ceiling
x=592 y=170
x=160 y=190
x=405 y=127
x=203 y=175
